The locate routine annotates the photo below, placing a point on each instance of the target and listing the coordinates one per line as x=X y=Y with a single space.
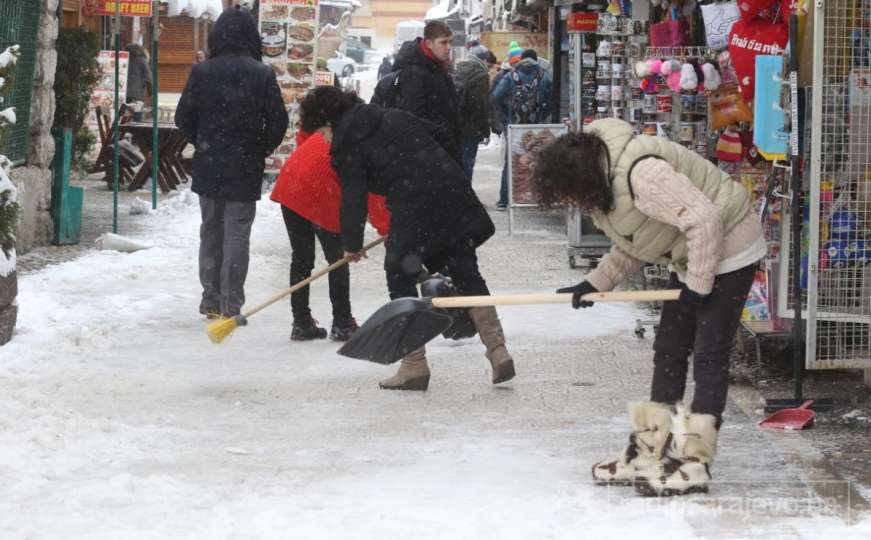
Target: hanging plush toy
x=711 y=76
x=689 y=81
x=655 y=66
x=670 y=71
x=727 y=108
x=642 y=69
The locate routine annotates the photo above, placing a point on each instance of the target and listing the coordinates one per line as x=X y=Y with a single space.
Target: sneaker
x=501 y=206
x=306 y=330
x=343 y=329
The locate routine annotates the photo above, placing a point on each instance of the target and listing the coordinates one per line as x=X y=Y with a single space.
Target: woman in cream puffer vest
x=661 y=203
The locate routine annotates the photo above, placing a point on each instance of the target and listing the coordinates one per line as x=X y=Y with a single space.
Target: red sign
x=128 y=8
x=582 y=22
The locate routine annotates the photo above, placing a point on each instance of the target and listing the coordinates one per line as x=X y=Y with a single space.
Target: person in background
x=426 y=88
x=385 y=67
x=138 y=80
x=524 y=97
x=661 y=203
x=472 y=80
x=436 y=219
x=201 y=57
x=310 y=195
x=231 y=111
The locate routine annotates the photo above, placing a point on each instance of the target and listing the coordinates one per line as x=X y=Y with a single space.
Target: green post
x=116 y=120
x=155 y=34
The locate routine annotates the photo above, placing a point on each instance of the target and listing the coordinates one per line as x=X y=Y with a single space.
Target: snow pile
x=8 y=193
x=195 y=8
x=116 y=242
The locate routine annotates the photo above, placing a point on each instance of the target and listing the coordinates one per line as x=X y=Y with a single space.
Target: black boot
x=211 y=312
x=306 y=329
x=343 y=329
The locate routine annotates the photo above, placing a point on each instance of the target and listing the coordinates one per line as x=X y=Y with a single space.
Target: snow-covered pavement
x=119 y=419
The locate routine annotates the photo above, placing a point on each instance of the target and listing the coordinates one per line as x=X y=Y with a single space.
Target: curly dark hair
x=576 y=169
x=325 y=106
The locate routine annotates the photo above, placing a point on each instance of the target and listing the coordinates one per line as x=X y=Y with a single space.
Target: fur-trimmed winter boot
x=651 y=423
x=490 y=329
x=413 y=373
x=685 y=467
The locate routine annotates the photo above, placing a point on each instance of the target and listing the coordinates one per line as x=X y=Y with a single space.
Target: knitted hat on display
x=729 y=146
x=514 y=53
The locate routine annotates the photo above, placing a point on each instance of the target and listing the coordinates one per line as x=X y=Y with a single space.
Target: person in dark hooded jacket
x=426 y=88
x=138 y=79
x=473 y=76
x=231 y=111
x=436 y=219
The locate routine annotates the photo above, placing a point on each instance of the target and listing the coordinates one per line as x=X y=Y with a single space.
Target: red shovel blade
x=799 y=418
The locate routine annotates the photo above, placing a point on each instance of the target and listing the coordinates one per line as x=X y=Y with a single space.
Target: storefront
x=714 y=78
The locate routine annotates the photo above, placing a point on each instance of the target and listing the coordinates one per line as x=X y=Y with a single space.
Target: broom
x=222 y=328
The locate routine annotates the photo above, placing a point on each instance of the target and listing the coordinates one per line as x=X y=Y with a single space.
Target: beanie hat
x=481 y=52
x=514 y=53
x=729 y=146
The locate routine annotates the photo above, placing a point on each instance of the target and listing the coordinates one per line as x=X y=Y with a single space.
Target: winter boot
x=651 y=423
x=306 y=329
x=211 y=312
x=685 y=468
x=343 y=329
x=413 y=373
x=490 y=330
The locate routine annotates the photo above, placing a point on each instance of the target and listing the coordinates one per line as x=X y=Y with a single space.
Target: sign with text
x=498 y=42
x=128 y=8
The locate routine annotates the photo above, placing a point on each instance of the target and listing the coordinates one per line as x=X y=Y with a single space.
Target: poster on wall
x=288 y=32
x=524 y=144
x=103 y=95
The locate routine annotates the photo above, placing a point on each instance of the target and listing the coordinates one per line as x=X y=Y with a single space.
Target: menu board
x=104 y=93
x=288 y=32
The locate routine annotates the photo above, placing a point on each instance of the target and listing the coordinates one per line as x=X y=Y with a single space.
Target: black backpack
x=525 y=103
x=386 y=92
x=464 y=100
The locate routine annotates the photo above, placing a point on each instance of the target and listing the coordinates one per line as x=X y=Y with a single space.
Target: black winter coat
x=231 y=111
x=427 y=91
x=472 y=75
x=392 y=153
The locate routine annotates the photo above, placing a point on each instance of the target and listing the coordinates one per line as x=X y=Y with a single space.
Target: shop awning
x=195 y=8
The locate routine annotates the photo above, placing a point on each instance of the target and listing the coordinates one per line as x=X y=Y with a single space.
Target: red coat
x=308 y=185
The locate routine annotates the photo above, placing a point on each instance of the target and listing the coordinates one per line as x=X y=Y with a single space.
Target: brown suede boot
x=490 y=330
x=413 y=373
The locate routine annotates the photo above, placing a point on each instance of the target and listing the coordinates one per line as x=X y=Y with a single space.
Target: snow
x=195 y=8
x=10 y=56
x=118 y=419
x=8 y=115
x=442 y=10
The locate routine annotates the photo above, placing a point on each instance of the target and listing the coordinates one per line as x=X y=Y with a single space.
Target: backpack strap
x=631 y=167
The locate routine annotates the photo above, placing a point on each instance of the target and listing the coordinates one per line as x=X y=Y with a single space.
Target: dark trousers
x=470 y=153
x=503 y=187
x=302 y=233
x=224 y=239
x=459 y=261
x=706 y=330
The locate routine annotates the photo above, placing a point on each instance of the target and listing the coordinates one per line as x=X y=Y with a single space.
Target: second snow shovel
x=405 y=324
x=799 y=418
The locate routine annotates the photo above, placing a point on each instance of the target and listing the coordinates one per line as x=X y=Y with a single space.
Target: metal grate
x=838 y=246
x=19 y=21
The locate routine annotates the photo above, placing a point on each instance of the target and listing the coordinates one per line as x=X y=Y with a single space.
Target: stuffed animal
x=711 y=76
x=688 y=79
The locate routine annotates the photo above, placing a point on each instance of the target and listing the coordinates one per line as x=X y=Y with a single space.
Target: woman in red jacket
x=310 y=195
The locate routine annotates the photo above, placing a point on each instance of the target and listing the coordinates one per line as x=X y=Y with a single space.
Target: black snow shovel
x=405 y=324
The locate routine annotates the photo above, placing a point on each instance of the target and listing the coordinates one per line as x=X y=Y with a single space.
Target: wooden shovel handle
x=553 y=298
x=320 y=273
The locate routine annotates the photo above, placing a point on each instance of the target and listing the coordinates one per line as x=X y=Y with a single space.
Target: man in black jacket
x=231 y=111
x=426 y=88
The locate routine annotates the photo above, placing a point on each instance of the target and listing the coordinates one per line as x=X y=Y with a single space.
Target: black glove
x=691 y=297
x=578 y=291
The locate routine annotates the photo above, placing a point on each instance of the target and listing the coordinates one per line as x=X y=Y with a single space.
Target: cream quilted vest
x=638 y=235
